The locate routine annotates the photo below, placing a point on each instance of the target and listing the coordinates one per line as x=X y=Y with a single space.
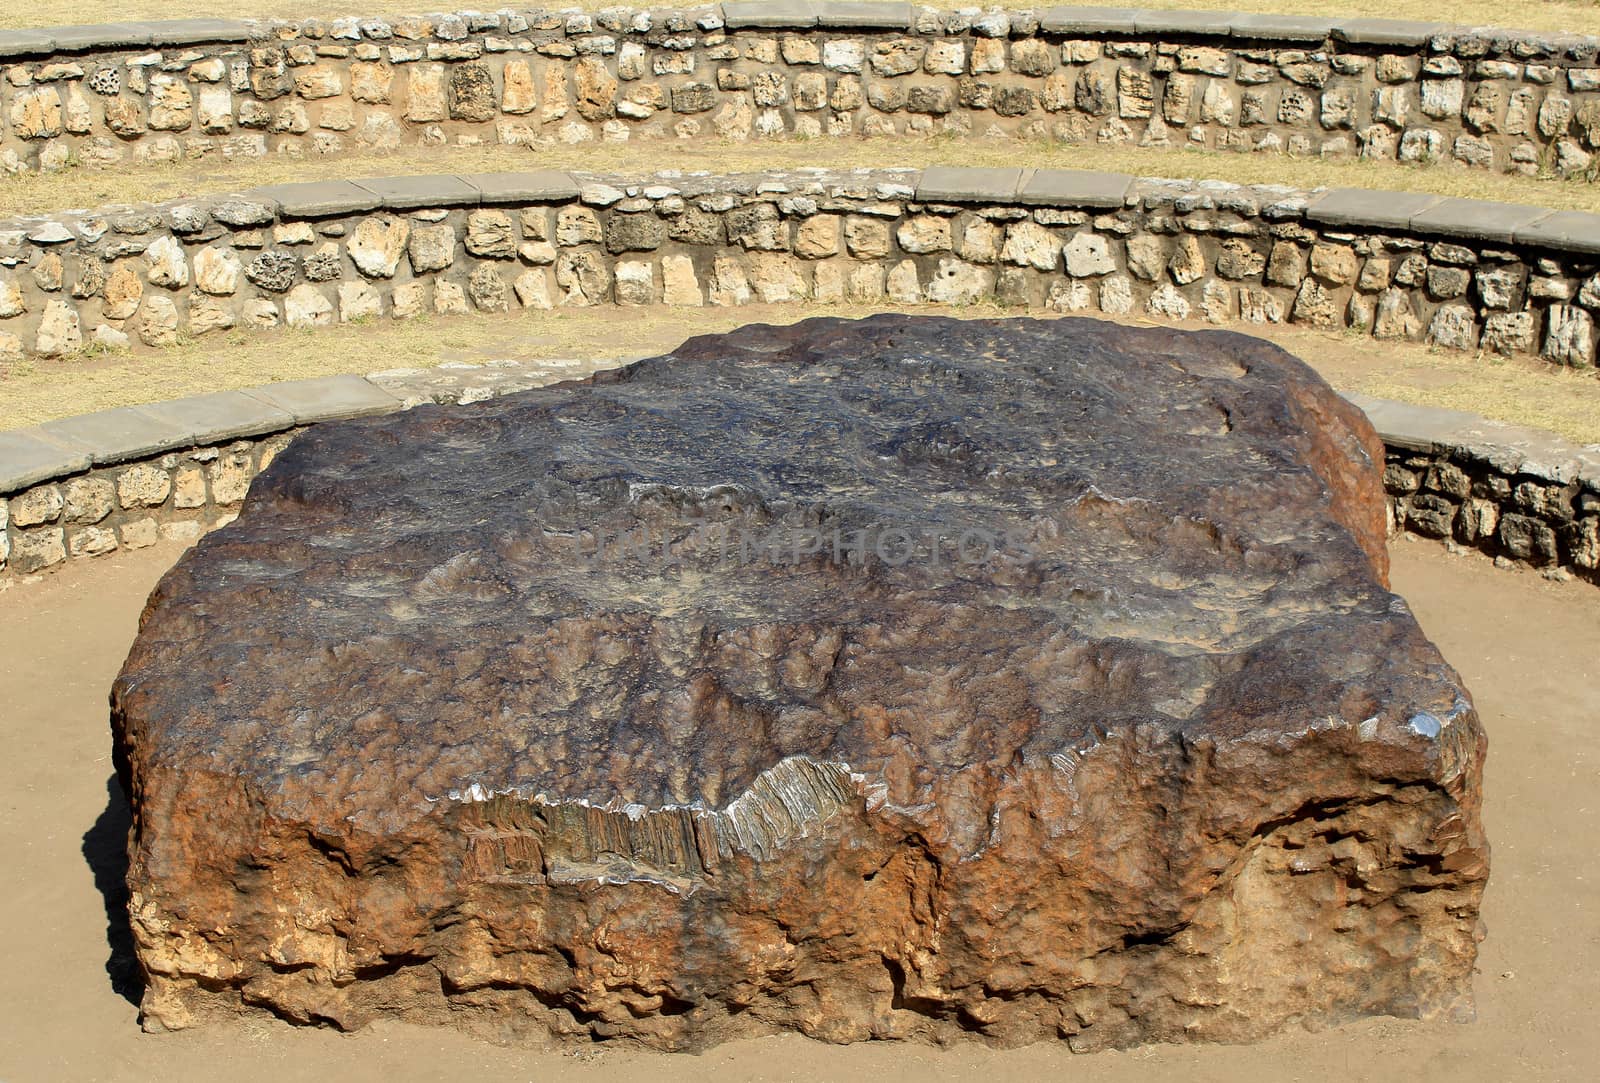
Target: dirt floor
x=1528 y=648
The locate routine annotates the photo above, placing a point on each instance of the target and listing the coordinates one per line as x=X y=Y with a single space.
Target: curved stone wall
x=1458 y=273
x=127 y=478
x=102 y=96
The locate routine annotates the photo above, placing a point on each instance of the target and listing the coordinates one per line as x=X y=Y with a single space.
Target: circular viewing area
x=800 y=538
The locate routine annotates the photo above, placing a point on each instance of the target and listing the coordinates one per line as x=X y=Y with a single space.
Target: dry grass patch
x=1525 y=392
x=82 y=188
x=1577 y=15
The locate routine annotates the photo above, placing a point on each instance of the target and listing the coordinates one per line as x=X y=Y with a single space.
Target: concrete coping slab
x=870 y=14
x=1387 y=31
x=73 y=39
x=326 y=398
x=1088 y=20
x=1568 y=231
x=1364 y=207
x=29 y=456
x=318 y=199
x=537 y=185
x=114 y=436
x=1509 y=449
x=1074 y=188
x=1216 y=24
x=26 y=43
x=1476 y=219
x=950 y=184
x=196 y=31
x=411 y=193
x=739 y=14
x=1281 y=27
x=221 y=416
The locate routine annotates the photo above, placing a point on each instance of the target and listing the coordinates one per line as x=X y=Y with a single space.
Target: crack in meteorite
x=533 y=839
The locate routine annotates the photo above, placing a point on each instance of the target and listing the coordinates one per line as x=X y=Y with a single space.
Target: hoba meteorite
x=910 y=677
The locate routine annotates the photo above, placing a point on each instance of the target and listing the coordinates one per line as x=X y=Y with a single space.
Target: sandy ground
x=1528 y=648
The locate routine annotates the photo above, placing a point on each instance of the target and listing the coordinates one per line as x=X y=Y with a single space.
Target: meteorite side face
x=909 y=677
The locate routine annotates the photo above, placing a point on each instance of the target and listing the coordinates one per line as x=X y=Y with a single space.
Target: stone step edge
x=59 y=449
x=803 y=14
x=1415 y=212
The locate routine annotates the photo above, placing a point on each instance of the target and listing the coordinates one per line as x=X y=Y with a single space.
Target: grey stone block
x=114 y=436
x=327 y=398
x=29 y=456
x=26 y=43
x=1567 y=231
x=1386 y=31
x=1476 y=219
x=239 y=211
x=534 y=186
x=946 y=184
x=756 y=13
x=1075 y=188
x=196 y=31
x=220 y=416
x=409 y=193
x=72 y=39
x=1411 y=428
x=1087 y=20
x=317 y=199
x=1281 y=27
x=877 y=14
x=1361 y=207
x=1216 y=24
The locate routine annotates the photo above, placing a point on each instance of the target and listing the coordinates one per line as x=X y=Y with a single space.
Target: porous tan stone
x=729 y=284
x=425 y=93
x=377 y=245
x=139 y=533
x=519 y=95
x=450 y=299
x=158 y=321
x=13 y=302
x=171 y=104
x=307 y=306
x=487 y=289
x=817 y=237
x=431 y=247
x=956 y=282
x=532 y=288
x=679 y=284
x=1032 y=245
x=866 y=238
x=924 y=233
x=359 y=301
x=230 y=477
x=595 y=88
x=777 y=278
x=143 y=486
x=41 y=504
x=188 y=487
x=60 y=332
x=167 y=264
x=372 y=82
x=36 y=113
x=217 y=270
x=491 y=235
x=36 y=550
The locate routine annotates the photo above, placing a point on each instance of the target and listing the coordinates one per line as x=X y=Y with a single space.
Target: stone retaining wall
x=125 y=478
x=102 y=96
x=1459 y=273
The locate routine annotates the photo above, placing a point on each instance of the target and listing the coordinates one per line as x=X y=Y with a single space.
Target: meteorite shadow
x=105 y=848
